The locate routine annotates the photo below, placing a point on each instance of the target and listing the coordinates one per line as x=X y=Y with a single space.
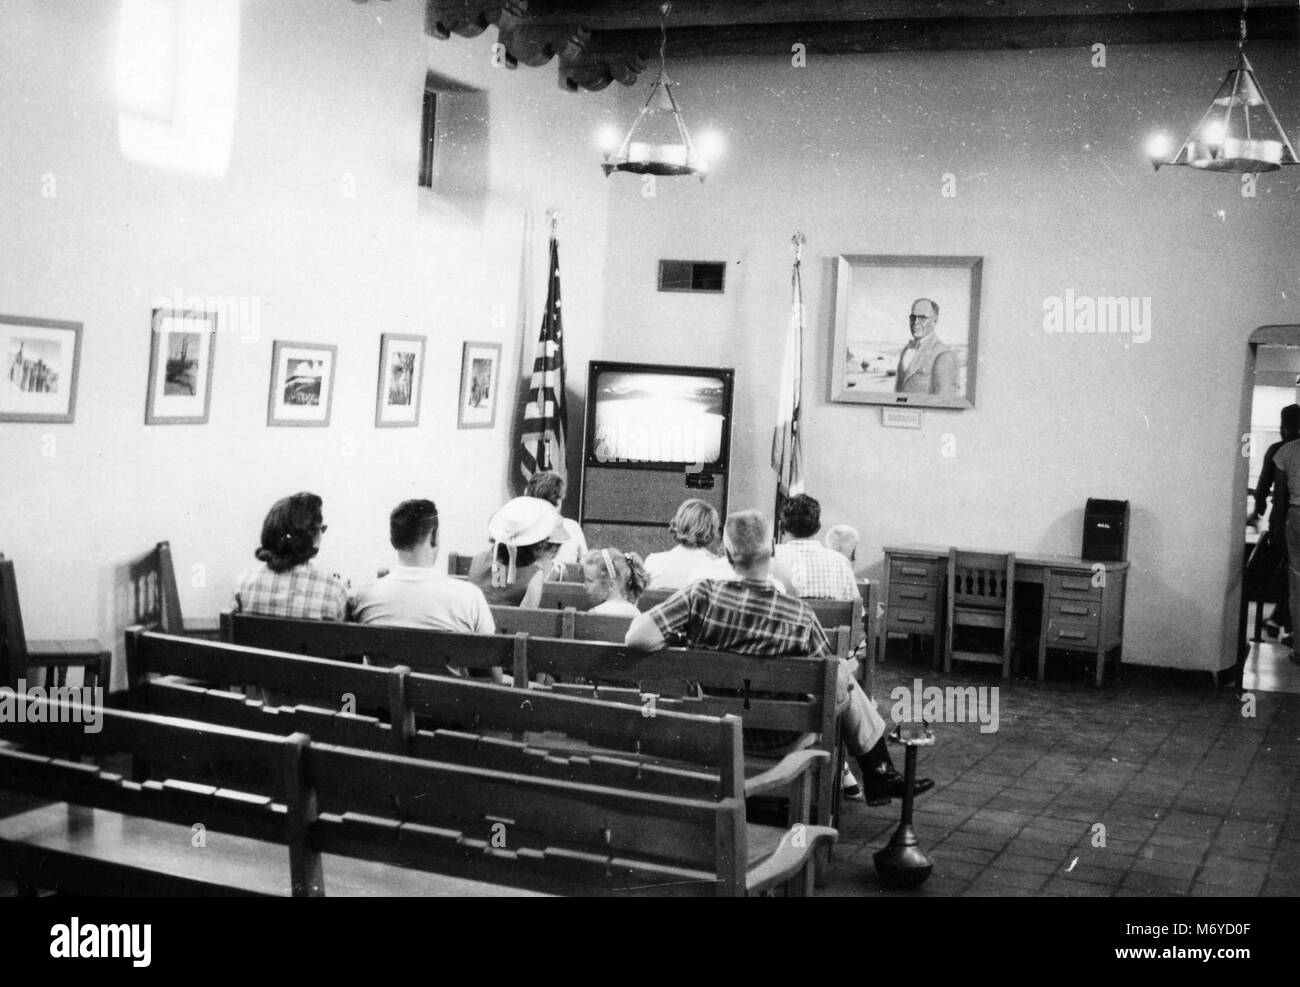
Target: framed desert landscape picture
x=401 y=374
x=480 y=373
x=39 y=362
x=181 y=351
x=302 y=384
x=906 y=330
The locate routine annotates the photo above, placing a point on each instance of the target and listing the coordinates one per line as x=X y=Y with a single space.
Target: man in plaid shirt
x=749 y=616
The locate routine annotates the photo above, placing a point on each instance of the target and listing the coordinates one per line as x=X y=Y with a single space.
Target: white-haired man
x=748 y=615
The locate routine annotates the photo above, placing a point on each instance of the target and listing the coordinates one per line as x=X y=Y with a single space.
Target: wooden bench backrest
x=13 y=641
x=255 y=771
x=460 y=705
x=422 y=650
x=433 y=651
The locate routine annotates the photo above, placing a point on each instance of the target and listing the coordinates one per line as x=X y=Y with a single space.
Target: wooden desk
x=1083 y=601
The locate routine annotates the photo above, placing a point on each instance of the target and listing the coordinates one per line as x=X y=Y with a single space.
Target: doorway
x=1274 y=383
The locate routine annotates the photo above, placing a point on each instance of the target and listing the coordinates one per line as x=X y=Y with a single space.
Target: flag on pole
x=546 y=416
x=787 y=447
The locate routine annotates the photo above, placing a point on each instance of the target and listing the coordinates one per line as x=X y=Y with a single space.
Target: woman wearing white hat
x=526 y=533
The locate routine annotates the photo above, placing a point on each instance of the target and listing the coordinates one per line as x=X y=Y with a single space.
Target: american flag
x=787 y=445
x=546 y=415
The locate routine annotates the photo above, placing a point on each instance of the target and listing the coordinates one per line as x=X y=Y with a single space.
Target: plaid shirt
x=817 y=571
x=746 y=617
x=303 y=591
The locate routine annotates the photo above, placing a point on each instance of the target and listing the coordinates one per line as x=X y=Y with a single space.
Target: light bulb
x=608 y=139
x=1158 y=146
x=1214 y=132
x=710 y=145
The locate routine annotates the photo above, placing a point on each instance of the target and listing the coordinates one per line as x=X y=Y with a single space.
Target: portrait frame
x=302 y=384
x=873 y=296
x=400 y=386
x=480 y=366
x=33 y=390
x=174 y=366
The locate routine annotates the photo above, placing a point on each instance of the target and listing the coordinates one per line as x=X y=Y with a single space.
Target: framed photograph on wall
x=302 y=384
x=181 y=350
x=906 y=330
x=480 y=374
x=401 y=374
x=39 y=362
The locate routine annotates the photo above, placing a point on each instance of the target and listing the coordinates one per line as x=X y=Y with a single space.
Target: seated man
x=414 y=593
x=844 y=538
x=815 y=570
x=747 y=615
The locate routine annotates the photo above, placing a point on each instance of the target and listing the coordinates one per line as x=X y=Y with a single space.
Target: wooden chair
x=155 y=598
x=981 y=593
x=18 y=655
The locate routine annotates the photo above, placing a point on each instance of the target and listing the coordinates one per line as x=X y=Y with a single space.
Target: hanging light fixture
x=1224 y=140
x=674 y=157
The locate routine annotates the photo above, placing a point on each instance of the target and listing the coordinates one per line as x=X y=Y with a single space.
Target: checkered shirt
x=818 y=572
x=746 y=617
x=303 y=591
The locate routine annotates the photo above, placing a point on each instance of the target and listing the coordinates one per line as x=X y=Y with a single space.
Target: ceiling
x=598 y=42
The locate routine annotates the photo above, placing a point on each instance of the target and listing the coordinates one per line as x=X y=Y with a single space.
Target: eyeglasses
x=923 y=318
x=324 y=528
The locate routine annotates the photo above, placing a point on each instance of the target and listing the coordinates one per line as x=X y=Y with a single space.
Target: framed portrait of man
x=906 y=330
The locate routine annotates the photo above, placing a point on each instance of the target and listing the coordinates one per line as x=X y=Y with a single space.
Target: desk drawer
x=1081 y=634
x=1069 y=586
x=906 y=620
x=914 y=571
x=1069 y=609
x=913 y=596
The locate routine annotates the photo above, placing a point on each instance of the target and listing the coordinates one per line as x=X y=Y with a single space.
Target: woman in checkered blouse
x=287 y=584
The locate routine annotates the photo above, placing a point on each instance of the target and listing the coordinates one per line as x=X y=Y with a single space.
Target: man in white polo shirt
x=414 y=593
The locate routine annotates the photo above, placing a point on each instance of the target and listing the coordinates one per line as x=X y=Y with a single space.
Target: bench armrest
x=784 y=774
x=789 y=858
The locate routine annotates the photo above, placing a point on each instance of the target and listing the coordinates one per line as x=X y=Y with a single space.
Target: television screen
x=658 y=416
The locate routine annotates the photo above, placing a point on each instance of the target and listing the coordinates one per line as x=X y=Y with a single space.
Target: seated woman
x=695 y=526
x=287 y=584
x=550 y=487
x=615 y=579
x=526 y=533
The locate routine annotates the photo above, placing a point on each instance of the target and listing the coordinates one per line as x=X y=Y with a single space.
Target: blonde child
x=615 y=580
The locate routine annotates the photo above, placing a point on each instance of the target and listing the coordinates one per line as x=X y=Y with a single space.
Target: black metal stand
x=903 y=864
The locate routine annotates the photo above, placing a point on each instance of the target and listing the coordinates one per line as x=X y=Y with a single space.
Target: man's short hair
x=801 y=516
x=695 y=524
x=843 y=538
x=546 y=486
x=1291 y=418
x=412 y=523
x=748 y=538
x=934 y=306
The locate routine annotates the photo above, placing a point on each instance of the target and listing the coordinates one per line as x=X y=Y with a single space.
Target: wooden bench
x=275 y=793
x=154 y=598
x=809 y=683
x=19 y=655
x=452 y=719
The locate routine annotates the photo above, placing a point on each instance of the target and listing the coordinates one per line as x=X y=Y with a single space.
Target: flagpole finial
x=798 y=240
x=553 y=218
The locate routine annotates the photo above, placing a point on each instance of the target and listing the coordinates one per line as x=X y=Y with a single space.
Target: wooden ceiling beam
x=604 y=15
x=953 y=34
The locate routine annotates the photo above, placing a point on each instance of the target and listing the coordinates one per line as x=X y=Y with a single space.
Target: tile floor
x=1195 y=797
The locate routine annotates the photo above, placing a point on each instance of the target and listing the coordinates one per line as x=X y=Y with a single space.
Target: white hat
x=522 y=521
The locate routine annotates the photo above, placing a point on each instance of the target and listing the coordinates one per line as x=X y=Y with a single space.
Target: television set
x=652 y=416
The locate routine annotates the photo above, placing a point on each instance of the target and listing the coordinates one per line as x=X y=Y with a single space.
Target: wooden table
x=1083 y=601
